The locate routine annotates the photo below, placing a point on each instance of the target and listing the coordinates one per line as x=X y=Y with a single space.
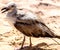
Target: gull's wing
x=33 y=28
x=30 y=25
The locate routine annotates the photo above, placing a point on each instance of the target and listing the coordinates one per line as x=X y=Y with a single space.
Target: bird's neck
x=12 y=13
x=11 y=16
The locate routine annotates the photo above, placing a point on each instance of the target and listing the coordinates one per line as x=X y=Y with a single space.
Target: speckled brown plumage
x=33 y=28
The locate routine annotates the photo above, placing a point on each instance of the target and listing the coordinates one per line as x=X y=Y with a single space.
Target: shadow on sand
x=37 y=47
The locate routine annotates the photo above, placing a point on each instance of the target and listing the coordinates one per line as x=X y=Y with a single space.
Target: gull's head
x=9 y=7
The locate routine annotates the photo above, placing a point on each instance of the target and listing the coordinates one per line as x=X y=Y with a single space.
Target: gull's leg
x=30 y=42
x=23 y=42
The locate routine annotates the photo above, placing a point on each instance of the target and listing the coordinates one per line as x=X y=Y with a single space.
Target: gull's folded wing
x=33 y=28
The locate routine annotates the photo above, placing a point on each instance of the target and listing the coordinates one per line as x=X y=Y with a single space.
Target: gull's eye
x=12 y=6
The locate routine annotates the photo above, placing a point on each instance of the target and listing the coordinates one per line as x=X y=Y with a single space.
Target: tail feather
x=47 y=32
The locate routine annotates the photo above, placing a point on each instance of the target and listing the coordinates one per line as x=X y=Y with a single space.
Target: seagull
x=27 y=23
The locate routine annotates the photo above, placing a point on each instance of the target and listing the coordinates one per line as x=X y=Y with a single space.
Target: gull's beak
x=4 y=9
